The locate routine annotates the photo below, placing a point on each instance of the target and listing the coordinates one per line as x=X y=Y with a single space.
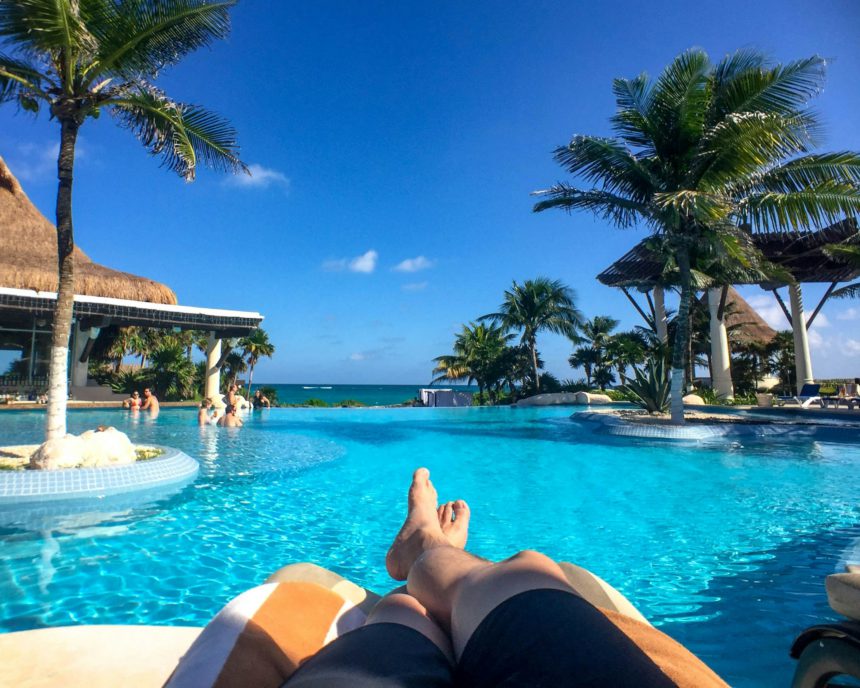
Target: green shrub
x=349 y=403
x=318 y=403
x=651 y=386
x=621 y=394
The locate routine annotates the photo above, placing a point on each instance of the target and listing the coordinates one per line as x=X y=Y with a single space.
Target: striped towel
x=262 y=636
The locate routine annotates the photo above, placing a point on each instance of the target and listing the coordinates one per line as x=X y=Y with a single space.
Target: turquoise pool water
x=723 y=546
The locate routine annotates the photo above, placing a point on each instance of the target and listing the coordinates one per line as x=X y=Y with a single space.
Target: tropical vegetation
x=77 y=59
x=704 y=155
x=164 y=361
x=539 y=305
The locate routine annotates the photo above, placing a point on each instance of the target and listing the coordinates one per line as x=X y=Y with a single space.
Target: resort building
x=801 y=254
x=103 y=298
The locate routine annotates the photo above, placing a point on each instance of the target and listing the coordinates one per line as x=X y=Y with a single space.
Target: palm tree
x=478 y=356
x=584 y=357
x=536 y=306
x=234 y=366
x=626 y=350
x=254 y=347
x=77 y=59
x=703 y=155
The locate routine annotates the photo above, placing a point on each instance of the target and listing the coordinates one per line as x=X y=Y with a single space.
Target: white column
x=660 y=315
x=802 y=360
x=720 y=356
x=212 y=389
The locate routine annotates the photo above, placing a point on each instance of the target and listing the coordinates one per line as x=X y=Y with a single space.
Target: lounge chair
x=145 y=656
x=809 y=395
x=829 y=651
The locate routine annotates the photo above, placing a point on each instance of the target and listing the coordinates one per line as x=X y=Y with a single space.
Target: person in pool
x=150 y=401
x=133 y=402
x=260 y=401
x=230 y=419
x=203 y=417
x=464 y=621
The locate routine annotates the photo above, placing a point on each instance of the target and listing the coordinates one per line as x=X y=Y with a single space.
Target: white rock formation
x=60 y=452
x=108 y=447
x=693 y=400
x=591 y=399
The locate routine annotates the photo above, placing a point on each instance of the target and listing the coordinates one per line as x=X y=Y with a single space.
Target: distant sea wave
x=372 y=395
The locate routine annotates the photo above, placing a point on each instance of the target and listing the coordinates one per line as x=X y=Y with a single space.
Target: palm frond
x=705 y=208
x=609 y=163
x=631 y=123
x=742 y=145
x=182 y=135
x=802 y=172
x=44 y=25
x=783 y=89
x=144 y=36
x=851 y=291
x=622 y=211
x=19 y=80
x=679 y=101
x=816 y=206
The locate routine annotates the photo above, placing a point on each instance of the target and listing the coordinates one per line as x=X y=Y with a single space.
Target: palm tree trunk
x=682 y=337
x=533 y=347
x=250 y=381
x=61 y=330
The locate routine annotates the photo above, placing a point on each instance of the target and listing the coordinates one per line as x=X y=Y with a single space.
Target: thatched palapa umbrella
x=28 y=254
x=744 y=323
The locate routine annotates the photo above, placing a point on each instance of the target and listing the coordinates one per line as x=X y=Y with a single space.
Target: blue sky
x=394 y=147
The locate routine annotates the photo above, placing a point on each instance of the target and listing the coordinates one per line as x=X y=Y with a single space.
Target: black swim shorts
x=536 y=638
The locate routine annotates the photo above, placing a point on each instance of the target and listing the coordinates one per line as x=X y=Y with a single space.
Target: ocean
x=372 y=395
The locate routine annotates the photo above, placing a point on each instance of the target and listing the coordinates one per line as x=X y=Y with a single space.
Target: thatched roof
x=801 y=253
x=28 y=254
x=745 y=325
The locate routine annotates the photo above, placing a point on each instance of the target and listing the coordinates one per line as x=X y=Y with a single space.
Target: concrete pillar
x=721 y=360
x=660 y=315
x=79 y=369
x=802 y=360
x=212 y=389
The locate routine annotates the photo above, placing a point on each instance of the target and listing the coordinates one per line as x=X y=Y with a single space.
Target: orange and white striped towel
x=262 y=636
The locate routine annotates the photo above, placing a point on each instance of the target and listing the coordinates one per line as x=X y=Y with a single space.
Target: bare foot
x=420 y=531
x=454 y=520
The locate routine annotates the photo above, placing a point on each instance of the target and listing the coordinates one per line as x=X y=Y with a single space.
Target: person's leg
x=398 y=647
x=519 y=622
x=405 y=610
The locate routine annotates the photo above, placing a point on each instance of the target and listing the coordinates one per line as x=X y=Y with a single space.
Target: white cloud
x=414 y=264
x=849 y=314
x=414 y=286
x=768 y=308
x=260 y=178
x=852 y=347
x=357 y=356
x=32 y=162
x=365 y=263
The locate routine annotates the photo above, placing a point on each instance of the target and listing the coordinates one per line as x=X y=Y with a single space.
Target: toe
x=461 y=511
x=447 y=514
x=421 y=476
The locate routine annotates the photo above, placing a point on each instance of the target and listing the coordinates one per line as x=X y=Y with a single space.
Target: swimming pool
x=724 y=546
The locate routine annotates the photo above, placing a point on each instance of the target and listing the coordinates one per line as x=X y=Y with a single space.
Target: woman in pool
x=133 y=402
x=464 y=621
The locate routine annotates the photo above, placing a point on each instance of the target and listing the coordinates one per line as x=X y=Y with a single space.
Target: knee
x=530 y=557
x=397 y=602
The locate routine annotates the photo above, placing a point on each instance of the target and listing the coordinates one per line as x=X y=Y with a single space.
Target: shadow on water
x=63 y=516
x=744 y=609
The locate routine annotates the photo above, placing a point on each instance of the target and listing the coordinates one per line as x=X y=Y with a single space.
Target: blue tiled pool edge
x=21 y=487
